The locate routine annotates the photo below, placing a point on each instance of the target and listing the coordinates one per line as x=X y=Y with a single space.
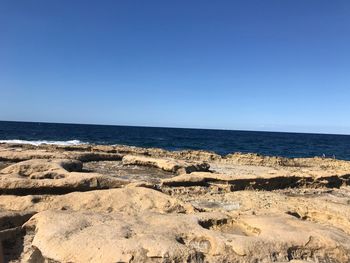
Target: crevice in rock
x=296 y=215
x=225 y=225
x=209 y=223
x=49 y=191
x=12 y=235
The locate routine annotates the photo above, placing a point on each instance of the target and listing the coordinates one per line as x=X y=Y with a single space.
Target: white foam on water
x=36 y=143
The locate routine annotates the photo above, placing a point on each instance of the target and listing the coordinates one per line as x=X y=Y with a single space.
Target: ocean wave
x=36 y=143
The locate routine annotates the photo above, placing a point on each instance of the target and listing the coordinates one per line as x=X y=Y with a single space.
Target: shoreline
x=82 y=145
x=223 y=142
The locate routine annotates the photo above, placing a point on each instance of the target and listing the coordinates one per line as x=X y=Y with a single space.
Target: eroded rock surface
x=95 y=203
x=16 y=153
x=52 y=176
x=128 y=199
x=134 y=173
x=268 y=181
x=166 y=164
x=41 y=169
x=146 y=237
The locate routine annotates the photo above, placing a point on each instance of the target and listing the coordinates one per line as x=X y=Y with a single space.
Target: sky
x=248 y=65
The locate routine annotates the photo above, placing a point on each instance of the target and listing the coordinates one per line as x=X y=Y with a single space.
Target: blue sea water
x=219 y=141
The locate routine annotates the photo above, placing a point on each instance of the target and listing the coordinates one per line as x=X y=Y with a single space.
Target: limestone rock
x=64 y=236
x=11 y=233
x=11 y=219
x=41 y=169
x=248 y=208
x=166 y=164
x=21 y=153
x=52 y=176
x=129 y=200
x=261 y=182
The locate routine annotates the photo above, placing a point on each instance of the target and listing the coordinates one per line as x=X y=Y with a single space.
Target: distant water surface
x=219 y=141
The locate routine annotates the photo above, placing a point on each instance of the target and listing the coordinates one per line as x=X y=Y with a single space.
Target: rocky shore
x=94 y=203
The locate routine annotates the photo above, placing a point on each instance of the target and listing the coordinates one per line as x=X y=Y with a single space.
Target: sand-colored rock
x=41 y=169
x=11 y=219
x=17 y=154
x=276 y=161
x=322 y=206
x=265 y=181
x=190 y=155
x=299 y=239
x=129 y=200
x=134 y=173
x=329 y=208
x=11 y=233
x=166 y=164
x=259 y=160
x=153 y=237
x=86 y=152
x=247 y=208
x=71 y=183
x=47 y=176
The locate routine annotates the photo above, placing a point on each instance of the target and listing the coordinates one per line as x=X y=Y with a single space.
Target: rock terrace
x=95 y=203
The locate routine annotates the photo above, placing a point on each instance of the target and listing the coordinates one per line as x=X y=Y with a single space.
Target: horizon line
x=169 y=127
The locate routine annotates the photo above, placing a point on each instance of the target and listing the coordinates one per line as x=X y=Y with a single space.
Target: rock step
x=166 y=164
x=267 y=182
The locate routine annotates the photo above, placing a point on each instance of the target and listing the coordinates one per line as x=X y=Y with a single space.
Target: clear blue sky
x=256 y=65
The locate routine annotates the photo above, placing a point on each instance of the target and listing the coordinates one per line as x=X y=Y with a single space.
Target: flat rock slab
x=88 y=215
x=166 y=164
x=133 y=173
x=18 y=154
x=128 y=199
x=52 y=177
x=320 y=205
x=261 y=182
x=41 y=169
x=65 y=236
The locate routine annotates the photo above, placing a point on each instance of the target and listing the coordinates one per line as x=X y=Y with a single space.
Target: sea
x=219 y=141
